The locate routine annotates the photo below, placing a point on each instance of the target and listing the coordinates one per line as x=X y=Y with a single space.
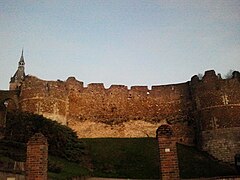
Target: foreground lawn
x=68 y=169
x=121 y=158
x=59 y=168
x=124 y=157
x=138 y=158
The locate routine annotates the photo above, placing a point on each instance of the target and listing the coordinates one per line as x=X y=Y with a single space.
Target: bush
x=13 y=150
x=63 y=142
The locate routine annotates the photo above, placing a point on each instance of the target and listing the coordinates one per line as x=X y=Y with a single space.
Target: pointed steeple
x=19 y=76
x=21 y=61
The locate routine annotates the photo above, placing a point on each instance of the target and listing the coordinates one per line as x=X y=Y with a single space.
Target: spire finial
x=21 y=61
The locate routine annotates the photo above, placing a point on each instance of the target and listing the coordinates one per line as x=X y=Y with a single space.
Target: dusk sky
x=130 y=42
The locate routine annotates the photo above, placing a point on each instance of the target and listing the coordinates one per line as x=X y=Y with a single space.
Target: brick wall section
x=217 y=110
x=37 y=158
x=210 y=104
x=169 y=169
x=184 y=133
x=69 y=102
x=223 y=144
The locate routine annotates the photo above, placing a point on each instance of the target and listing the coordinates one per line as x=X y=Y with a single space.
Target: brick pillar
x=37 y=158
x=168 y=153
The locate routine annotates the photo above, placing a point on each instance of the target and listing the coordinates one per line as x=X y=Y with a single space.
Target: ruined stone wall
x=211 y=105
x=217 y=109
x=47 y=98
x=95 y=111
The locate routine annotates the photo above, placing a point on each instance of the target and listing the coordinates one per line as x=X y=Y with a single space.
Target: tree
x=62 y=140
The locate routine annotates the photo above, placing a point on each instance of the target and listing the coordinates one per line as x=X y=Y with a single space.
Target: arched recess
x=8 y=101
x=10 y=104
x=6 y=105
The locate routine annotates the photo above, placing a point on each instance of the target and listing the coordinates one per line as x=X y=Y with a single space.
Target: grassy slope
x=126 y=158
x=11 y=151
x=138 y=158
x=69 y=169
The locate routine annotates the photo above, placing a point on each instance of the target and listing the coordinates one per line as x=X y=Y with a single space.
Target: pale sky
x=130 y=42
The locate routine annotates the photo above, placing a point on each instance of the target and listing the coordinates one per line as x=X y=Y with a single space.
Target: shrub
x=62 y=140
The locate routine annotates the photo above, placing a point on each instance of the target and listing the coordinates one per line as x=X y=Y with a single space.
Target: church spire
x=19 y=76
x=21 y=61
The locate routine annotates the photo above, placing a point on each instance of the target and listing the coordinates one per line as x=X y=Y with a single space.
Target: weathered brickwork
x=222 y=143
x=217 y=111
x=168 y=153
x=206 y=111
x=96 y=109
x=37 y=158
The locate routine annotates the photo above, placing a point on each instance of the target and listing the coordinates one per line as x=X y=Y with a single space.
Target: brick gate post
x=37 y=158
x=168 y=153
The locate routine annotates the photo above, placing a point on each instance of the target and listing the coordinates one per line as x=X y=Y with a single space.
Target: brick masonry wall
x=217 y=110
x=37 y=158
x=223 y=144
x=94 y=111
x=208 y=105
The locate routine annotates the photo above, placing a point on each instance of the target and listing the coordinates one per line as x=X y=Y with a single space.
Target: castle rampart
x=208 y=108
x=70 y=103
x=203 y=112
x=217 y=110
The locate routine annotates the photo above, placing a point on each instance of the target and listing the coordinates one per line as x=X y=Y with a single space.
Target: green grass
x=139 y=158
x=11 y=151
x=124 y=157
x=69 y=169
